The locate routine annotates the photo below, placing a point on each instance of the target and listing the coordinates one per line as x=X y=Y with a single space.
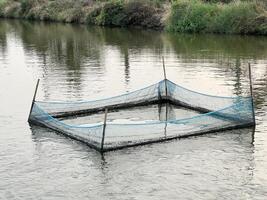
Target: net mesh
x=217 y=113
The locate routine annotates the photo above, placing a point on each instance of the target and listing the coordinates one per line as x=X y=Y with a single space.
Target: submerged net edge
x=90 y=143
x=96 y=146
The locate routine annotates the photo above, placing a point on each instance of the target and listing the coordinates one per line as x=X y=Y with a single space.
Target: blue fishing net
x=214 y=113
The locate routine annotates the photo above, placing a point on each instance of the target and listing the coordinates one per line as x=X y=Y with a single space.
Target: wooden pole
x=251 y=93
x=104 y=129
x=165 y=77
x=164 y=70
x=33 y=99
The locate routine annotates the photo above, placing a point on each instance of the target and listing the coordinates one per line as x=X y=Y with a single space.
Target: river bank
x=192 y=16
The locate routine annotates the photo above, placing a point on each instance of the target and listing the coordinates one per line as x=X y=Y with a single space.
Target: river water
x=76 y=62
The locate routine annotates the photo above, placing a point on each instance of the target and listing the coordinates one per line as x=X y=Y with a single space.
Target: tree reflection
x=77 y=49
x=3 y=37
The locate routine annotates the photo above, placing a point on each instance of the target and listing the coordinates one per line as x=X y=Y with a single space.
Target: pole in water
x=165 y=77
x=251 y=93
x=104 y=129
x=164 y=70
x=166 y=120
x=33 y=99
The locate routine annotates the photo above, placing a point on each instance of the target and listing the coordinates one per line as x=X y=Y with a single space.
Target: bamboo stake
x=104 y=129
x=33 y=99
x=165 y=77
x=166 y=93
x=251 y=92
x=164 y=70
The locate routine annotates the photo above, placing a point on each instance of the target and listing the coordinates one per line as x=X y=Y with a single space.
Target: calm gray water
x=80 y=63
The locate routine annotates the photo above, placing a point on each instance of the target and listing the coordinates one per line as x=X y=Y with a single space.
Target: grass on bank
x=247 y=17
x=207 y=16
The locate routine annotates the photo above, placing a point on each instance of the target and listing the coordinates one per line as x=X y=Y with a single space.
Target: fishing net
x=213 y=113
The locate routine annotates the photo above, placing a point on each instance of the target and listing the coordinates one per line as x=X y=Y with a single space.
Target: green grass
x=2 y=5
x=193 y=16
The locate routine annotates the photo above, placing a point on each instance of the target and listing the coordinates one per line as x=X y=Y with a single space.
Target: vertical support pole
x=166 y=94
x=104 y=129
x=251 y=93
x=165 y=77
x=33 y=99
x=164 y=70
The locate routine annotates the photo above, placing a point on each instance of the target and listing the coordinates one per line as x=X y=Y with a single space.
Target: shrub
x=193 y=16
x=125 y=13
x=111 y=14
x=142 y=13
x=236 y=18
x=25 y=6
x=11 y=10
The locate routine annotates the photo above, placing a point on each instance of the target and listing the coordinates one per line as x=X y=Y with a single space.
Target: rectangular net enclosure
x=128 y=120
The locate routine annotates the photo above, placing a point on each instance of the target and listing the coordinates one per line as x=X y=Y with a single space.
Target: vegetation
x=234 y=17
x=212 y=16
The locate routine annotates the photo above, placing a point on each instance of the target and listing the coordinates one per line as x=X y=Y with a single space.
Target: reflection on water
x=155 y=112
x=77 y=62
x=78 y=56
x=186 y=168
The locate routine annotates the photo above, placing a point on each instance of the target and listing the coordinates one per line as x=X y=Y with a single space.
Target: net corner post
x=33 y=99
x=104 y=131
x=165 y=76
x=251 y=93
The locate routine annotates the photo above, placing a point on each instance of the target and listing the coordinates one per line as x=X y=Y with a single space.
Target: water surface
x=77 y=62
